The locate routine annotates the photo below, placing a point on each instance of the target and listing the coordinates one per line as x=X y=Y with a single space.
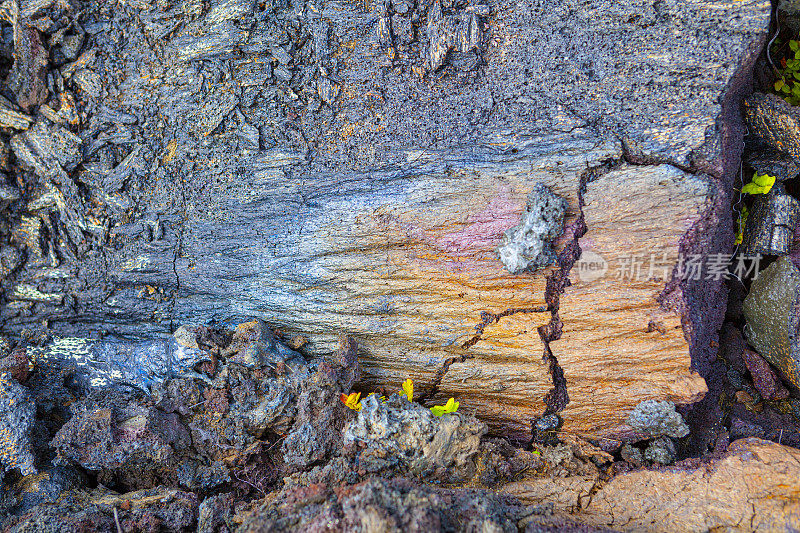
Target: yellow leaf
x=408 y=388
x=761 y=184
x=351 y=400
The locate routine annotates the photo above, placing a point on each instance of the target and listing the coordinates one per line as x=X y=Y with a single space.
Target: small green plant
x=352 y=400
x=788 y=84
x=761 y=184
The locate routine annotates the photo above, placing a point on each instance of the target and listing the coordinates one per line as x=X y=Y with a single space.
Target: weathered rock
x=380 y=505
x=112 y=362
x=317 y=430
x=772 y=319
x=398 y=434
x=632 y=454
x=638 y=298
x=527 y=246
x=765 y=380
x=774 y=123
x=17 y=414
x=652 y=419
x=752 y=488
x=215 y=514
x=661 y=450
x=379 y=213
x=126 y=447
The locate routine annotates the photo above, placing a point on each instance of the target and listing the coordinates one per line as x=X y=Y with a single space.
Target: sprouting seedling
x=352 y=400
x=408 y=389
x=450 y=407
x=761 y=184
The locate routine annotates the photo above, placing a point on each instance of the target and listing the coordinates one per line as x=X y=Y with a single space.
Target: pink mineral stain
x=485 y=228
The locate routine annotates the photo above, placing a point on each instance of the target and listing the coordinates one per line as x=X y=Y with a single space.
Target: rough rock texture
x=399 y=432
x=17 y=413
x=752 y=488
x=380 y=505
x=339 y=168
x=527 y=246
x=772 y=318
x=652 y=419
x=316 y=433
x=156 y=509
x=627 y=300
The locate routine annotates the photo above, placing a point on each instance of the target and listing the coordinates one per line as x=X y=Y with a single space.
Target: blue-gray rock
x=652 y=418
x=661 y=450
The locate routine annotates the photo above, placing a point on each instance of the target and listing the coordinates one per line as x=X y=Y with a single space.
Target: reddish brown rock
x=764 y=377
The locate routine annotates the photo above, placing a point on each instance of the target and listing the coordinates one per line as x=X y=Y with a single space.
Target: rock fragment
x=772 y=318
x=399 y=433
x=765 y=380
x=17 y=413
x=652 y=418
x=527 y=246
x=661 y=450
x=29 y=72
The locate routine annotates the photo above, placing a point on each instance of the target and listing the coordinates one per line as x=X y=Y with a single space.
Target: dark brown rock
x=765 y=379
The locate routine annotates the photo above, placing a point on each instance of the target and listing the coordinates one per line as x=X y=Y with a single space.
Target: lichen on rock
x=651 y=419
x=527 y=246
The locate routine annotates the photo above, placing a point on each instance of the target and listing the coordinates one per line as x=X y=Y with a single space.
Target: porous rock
x=317 y=430
x=528 y=246
x=652 y=419
x=381 y=505
x=406 y=435
x=661 y=450
x=17 y=413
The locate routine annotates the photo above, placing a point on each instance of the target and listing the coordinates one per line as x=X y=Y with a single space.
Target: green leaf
x=764 y=180
x=796 y=90
x=450 y=407
x=751 y=188
x=779 y=85
x=785 y=89
x=794 y=45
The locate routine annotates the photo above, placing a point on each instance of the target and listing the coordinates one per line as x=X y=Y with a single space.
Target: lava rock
x=632 y=454
x=545 y=430
x=775 y=123
x=772 y=320
x=527 y=246
x=652 y=418
x=765 y=380
x=402 y=434
x=17 y=414
x=661 y=450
